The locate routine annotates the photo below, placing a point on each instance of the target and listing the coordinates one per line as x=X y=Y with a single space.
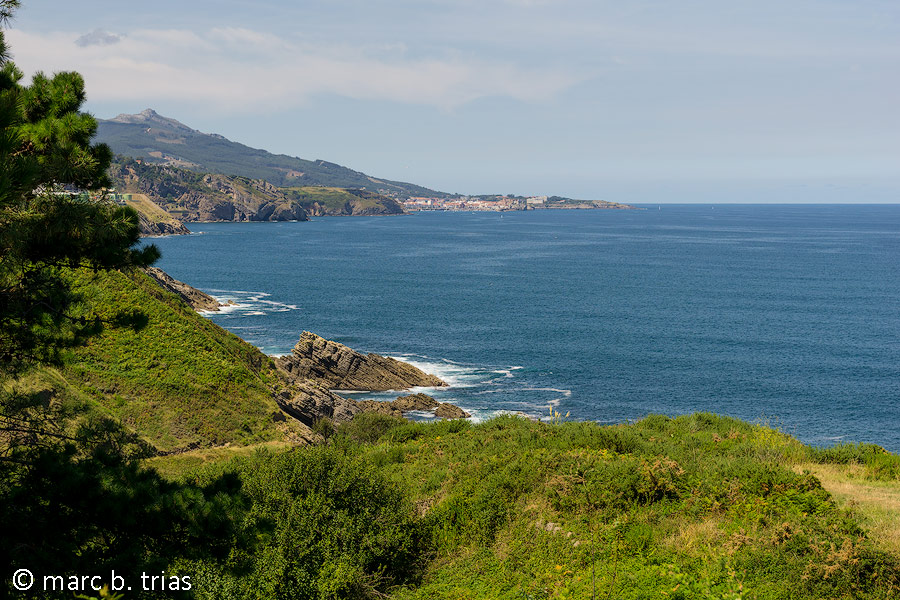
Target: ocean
x=782 y=314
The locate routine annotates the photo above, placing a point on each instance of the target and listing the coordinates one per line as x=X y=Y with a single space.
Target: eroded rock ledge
x=192 y=296
x=338 y=367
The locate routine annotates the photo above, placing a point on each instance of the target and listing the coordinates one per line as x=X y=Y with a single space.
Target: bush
x=369 y=427
x=328 y=525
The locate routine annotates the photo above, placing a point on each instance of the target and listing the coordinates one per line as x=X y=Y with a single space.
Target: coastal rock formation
x=338 y=367
x=308 y=402
x=206 y=197
x=152 y=228
x=192 y=296
x=382 y=408
x=404 y=404
x=321 y=202
x=450 y=411
x=415 y=402
x=174 y=189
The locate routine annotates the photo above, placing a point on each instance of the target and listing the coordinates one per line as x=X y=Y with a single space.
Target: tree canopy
x=48 y=217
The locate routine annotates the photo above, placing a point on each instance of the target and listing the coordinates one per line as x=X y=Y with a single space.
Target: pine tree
x=48 y=219
x=74 y=497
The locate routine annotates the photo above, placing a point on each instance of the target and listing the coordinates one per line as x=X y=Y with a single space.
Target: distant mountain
x=161 y=140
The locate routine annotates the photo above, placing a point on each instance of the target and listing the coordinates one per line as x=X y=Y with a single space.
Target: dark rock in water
x=309 y=402
x=450 y=411
x=341 y=368
x=192 y=296
x=405 y=404
x=415 y=402
x=382 y=408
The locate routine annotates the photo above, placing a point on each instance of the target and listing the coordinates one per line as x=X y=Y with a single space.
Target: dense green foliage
x=334 y=527
x=87 y=507
x=74 y=499
x=700 y=506
x=215 y=154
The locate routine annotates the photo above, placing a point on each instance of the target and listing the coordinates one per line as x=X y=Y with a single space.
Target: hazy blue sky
x=654 y=101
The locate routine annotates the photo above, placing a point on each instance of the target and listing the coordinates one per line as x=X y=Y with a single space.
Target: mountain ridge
x=166 y=141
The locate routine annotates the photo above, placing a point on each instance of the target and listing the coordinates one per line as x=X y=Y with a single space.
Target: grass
x=173 y=466
x=181 y=382
x=694 y=507
x=875 y=502
x=153 y=213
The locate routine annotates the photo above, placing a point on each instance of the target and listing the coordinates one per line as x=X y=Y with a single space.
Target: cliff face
x=307 y=401
x=207 y=197
x=152 y=228
x=336 y=202
x=338 y=367
x=153 y=220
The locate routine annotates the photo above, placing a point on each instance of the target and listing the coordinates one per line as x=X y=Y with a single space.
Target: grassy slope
x=153 y=213
x=181 y=381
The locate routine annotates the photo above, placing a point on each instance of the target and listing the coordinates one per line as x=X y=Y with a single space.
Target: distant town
x=503 y=203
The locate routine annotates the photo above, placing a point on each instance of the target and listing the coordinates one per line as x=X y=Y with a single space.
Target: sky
x=640 y=101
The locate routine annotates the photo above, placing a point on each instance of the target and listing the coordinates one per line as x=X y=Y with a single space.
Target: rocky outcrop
x=199 y=197
x=341 y=368
x=308 y=402
x=192 y=296
x=347 y=203
x=152 y=228
x=415 y=402
x=382 y=408
x=419 y=402
x=450 y=411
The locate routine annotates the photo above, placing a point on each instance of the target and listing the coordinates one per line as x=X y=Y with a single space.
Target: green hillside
x=162 y=140
x=700 y=506
x=179 y=381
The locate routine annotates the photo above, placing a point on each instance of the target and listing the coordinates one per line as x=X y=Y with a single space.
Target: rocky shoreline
x=311 y=376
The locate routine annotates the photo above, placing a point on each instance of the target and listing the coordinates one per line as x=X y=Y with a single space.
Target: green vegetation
x=336 y=201
x=181 y=381
x=701 y=506
x=73 y=496
x=101 y=369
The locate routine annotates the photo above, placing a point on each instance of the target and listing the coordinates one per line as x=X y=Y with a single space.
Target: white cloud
x=242 y=70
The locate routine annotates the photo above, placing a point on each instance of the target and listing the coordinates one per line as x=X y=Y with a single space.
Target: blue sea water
x=788 y=314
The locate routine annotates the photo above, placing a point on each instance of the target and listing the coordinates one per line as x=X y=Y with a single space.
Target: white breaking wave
x=455 y=374
x=248 y=303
